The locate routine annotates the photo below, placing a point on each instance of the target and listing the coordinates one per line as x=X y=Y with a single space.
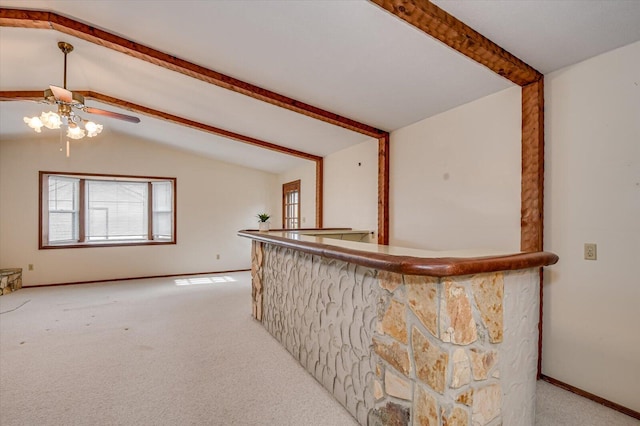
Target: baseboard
x=137 y=278
x=595 y=398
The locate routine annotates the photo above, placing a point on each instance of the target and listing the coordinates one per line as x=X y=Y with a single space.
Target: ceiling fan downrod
x=66 y=48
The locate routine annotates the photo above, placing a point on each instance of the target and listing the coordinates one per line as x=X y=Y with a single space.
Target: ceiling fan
x=67 y=101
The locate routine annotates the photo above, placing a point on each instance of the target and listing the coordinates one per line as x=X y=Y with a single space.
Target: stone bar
x=10 y=280
x=402 y=336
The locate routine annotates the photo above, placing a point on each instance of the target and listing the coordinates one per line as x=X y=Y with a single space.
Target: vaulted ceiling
x=351 y=58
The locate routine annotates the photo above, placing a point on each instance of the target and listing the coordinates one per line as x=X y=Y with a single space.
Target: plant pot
x=263 y=226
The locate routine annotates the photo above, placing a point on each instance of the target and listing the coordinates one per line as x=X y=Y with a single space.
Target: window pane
x=63 y=209
x=162 y=200
x=162 y=225
x=62 y=226
x=162 y=210
x=117 y=210
x=98 y=223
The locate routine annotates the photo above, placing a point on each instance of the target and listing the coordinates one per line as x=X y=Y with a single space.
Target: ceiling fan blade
x=129 y=118
x=61 y=94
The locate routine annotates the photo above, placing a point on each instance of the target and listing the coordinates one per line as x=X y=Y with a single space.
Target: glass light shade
x=51 y=120
x=75 y=132
x=92 y=128
x=35 y=123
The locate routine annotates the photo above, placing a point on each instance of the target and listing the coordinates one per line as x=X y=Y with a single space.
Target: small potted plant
x=263 y=222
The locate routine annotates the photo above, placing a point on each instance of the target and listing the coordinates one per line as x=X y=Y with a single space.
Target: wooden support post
x=383 y=189
x=532 y=198
x=532 y=166
x=319 y=192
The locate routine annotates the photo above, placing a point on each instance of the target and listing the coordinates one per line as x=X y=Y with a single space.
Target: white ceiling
x=348 y=57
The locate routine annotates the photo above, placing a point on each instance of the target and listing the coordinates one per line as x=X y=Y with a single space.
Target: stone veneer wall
x=401 y=350
x=324 y=313
x=10 y=280
x=457 y=350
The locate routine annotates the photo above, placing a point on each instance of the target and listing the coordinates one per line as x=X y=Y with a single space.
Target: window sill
x=106 y=244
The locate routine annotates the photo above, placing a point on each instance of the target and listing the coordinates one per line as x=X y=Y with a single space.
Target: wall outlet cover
x=590 y=251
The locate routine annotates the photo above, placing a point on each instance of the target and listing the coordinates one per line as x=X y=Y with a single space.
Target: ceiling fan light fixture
x=67 y=101
x=75 y=132
x=92 y=128
x=51 y=120
x=35 y=123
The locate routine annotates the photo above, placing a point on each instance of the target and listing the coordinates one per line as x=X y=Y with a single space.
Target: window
x=86 y=210
x=63 y=209
x=291 y=205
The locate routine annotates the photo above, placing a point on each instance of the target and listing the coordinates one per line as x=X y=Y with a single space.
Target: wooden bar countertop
x=402 y=260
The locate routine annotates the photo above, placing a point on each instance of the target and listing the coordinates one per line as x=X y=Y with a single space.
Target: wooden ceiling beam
x=48 y=20
x=21 y=95
x=130 y=106
x=439 y=24
x=36 y=95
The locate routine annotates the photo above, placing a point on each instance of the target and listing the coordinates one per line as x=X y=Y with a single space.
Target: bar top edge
x=402 y=260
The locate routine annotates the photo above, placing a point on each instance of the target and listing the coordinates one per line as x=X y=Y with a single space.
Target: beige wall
x=351 y=187
x=306 y=173
x=455 y=177
x=592 y=195
x=215 y=200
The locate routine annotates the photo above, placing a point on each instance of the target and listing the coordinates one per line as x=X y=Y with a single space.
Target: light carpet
x=172 y=351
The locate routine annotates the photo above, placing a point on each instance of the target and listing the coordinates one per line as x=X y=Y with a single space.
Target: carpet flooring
x=174 y=351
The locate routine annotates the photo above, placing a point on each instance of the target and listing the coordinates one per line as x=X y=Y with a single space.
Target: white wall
x=455 y=177
x=306 y=173
x=592 y=195
x=215 y=200
x=351 y=187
